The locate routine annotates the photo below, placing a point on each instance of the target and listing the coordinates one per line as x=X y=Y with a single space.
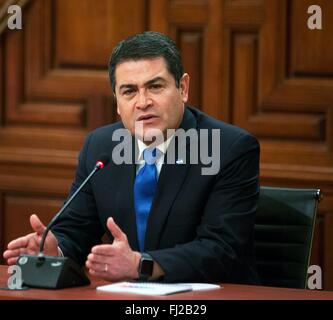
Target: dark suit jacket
x=200 y=227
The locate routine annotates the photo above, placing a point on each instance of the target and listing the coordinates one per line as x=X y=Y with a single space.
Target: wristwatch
x=145 y=267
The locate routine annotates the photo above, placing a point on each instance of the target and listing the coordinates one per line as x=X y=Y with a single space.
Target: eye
x=155 y=86
x=128 y=92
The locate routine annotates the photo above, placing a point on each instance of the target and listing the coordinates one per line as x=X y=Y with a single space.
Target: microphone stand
x=55 y=218
x=55 y=272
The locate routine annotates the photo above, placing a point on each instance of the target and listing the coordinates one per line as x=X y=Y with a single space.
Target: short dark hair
x=147 y=45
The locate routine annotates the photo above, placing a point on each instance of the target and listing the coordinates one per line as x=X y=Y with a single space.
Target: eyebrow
x=156 y=79
x=129 y=85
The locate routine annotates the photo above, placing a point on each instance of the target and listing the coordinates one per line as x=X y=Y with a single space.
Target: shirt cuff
x=60 y=253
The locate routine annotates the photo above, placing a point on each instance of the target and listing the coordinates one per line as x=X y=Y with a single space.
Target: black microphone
x=56 y=272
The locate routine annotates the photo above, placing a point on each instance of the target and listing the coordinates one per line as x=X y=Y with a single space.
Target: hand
x=30 y=243
x=116 y=261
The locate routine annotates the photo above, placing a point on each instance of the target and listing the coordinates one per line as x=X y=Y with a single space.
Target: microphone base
x=51 y=272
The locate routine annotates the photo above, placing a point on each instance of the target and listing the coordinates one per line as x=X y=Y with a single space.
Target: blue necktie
x=144 y=191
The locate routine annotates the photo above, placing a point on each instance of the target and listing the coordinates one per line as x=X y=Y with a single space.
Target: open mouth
x=147 y=117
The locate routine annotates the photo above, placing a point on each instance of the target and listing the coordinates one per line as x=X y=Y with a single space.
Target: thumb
x=36 y=224
x=115 y=230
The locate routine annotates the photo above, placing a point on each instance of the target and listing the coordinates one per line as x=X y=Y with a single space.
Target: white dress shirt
x=160 y=154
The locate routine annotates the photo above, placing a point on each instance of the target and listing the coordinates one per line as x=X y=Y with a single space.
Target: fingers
x=96 y=267
x=103 y=250
x=28 y=244
x=98 y=261
x=99 y=274
x=18 y=243
x=96 y=258
x=36 y=224
x=12 y=255
x=111 y=261
x=117 y=233
x=12 y=261
x=15 y=253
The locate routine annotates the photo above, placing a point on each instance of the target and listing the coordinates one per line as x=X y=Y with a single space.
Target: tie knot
x=149 y=156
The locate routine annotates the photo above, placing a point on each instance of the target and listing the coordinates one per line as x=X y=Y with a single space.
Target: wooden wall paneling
x=279 y=122
x=306 y=160
x=327 y=210
x=244 y=51
x=188 y=12
x=271 y=49
x=101 y=110
x=158 y=16
x=13 y=73
x=323 y=250
x=328 y=251
x=27 y=189
x=17 y=210
x=215 y=81
x=287 y=108
x=72 y=80
x=186 y=22
x=1 y=81
x=81 y=48
x=291 y=95
x=196 y=27
x=42 y=179
x=73 y=69
x=241 y=23
x=2 y=239
x=190 y=44
x=26 y=134
x=2 y=2
x=18 y=109
x=243 y=13
x=317 y=60
x=89 y=44
x=47 y=90
x=317 y=253
x=44 y=80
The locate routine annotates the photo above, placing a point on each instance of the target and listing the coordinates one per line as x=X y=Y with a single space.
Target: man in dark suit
x=166 y=220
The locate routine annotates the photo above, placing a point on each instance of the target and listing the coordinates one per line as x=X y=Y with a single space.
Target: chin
x=153 y=135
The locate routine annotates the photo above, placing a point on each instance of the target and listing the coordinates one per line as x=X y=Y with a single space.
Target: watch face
x=146 y=268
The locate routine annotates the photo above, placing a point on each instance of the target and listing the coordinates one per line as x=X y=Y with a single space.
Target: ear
x=184 y=86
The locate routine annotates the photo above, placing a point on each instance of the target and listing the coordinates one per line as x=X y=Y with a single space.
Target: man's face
x=147 y=95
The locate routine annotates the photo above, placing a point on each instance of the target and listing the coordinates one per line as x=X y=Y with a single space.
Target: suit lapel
x=170 y=181
x=124 y=177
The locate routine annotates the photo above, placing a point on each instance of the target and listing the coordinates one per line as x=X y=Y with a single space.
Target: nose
x=143 y=101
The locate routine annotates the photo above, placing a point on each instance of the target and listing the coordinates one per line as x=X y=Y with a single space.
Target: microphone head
x=102 y=161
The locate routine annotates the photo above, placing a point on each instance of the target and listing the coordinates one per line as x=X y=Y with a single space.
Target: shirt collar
x=161 y=147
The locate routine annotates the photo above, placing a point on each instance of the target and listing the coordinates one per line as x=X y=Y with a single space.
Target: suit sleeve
x=222 y=250
x=79 y=228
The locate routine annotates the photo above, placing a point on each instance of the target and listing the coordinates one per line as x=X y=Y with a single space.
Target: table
x=227 y=292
